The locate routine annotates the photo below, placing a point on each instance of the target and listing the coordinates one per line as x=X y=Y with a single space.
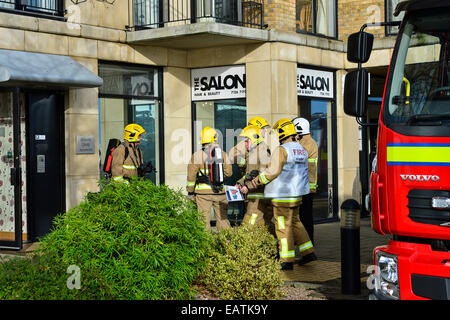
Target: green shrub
x=137 y=241
x=243 y=265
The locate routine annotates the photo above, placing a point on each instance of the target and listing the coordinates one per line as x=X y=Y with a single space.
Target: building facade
x=173 y=67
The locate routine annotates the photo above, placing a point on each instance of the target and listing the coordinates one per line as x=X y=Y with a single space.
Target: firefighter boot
x=308 y=258
x=287 y=266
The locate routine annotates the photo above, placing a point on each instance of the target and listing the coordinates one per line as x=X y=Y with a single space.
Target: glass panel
x=112 y=114
x=7 y=217
x=316 y=16
x=325 y=17
x=146 y=13
x=115 y=114
x=419 y=93
x=318 y=114
x=145 y=113
x=130 y=81
x=304 y=15
x=8 y=4
x=23 y=163
x=228 y=117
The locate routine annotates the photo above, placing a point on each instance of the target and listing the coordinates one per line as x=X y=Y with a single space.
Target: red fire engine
x=410 y=183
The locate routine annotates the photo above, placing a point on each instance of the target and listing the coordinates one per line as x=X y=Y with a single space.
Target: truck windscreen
x=418 y=90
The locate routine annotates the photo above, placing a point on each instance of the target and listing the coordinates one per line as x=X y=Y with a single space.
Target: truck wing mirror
x=356 y=89
x=359 y=47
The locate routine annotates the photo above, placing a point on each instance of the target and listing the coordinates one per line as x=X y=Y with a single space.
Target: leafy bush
x=242 y=265
x=137 y=241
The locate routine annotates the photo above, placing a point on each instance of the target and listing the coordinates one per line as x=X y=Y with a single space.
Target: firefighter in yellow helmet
x=259 y=209
x=204 y=172
x=286 y=180
x=127 y=157
x=239 y=153
x=270 y=138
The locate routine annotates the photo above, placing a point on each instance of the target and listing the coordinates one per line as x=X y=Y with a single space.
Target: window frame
x=314 y=26
x=389 y=17
x=35 y=12
x=333 y=141
x=194 y=142
x=159 y=97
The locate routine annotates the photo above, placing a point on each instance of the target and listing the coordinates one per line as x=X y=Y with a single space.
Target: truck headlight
x=388 y=285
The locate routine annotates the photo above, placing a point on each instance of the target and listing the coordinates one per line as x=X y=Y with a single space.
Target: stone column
x=81 y=119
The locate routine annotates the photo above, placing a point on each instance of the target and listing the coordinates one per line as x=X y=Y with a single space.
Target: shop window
x=389 y=11
x=228 y=117
x=318 y=113
x=317 y=17
x=132 y=94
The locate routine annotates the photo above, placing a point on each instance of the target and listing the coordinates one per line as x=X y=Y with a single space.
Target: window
x=389 y=11
x=228 y=117
x=146 y=13
x=316 y=16
x=132 y=94
x=318 y=113
x=52 y=7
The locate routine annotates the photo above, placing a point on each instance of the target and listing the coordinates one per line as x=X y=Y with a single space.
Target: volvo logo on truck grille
x=419 y=177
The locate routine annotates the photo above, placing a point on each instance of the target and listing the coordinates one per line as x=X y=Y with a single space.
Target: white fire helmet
x=301 y=126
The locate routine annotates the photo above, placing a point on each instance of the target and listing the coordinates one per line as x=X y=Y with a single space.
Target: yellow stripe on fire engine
x=419 y=154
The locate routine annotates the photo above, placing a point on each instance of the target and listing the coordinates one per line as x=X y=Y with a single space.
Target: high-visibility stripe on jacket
x=122 y=167
x=311 y=147
x=257 y=158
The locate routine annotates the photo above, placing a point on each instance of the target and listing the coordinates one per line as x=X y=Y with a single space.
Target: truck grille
x=420 y=209
x=430 y=287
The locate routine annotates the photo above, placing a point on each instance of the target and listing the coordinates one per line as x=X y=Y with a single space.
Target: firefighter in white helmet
x=302 y=127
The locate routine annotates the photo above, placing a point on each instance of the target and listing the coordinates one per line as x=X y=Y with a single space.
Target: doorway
x=45 y=169
x=321 y=116
x=32 y=175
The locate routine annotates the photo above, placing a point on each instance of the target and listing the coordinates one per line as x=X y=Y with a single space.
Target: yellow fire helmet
x=208 y=135
x=253 y=133
x=132 y=132
x=285 y=128
x=259 y=122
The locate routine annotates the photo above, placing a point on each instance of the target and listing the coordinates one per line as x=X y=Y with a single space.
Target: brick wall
x=280 y=14
x=352 y=14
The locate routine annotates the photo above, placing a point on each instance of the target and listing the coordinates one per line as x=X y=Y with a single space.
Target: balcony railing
x=149 y=14
x=34 y=7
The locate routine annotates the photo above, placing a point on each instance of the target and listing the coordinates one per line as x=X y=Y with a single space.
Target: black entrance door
x=45 y=161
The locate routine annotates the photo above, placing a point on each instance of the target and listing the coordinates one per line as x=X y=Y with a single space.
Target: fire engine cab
x=410 y=183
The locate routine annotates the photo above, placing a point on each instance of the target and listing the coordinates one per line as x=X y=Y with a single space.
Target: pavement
x=323 y=276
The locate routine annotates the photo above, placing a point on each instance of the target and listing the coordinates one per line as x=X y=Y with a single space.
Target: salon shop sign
x=315 y=83
x=218 y=83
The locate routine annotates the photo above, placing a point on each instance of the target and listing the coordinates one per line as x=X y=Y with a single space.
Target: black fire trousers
x=306 y=214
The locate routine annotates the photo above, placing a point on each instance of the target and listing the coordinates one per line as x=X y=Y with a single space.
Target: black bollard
x=350 y=246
